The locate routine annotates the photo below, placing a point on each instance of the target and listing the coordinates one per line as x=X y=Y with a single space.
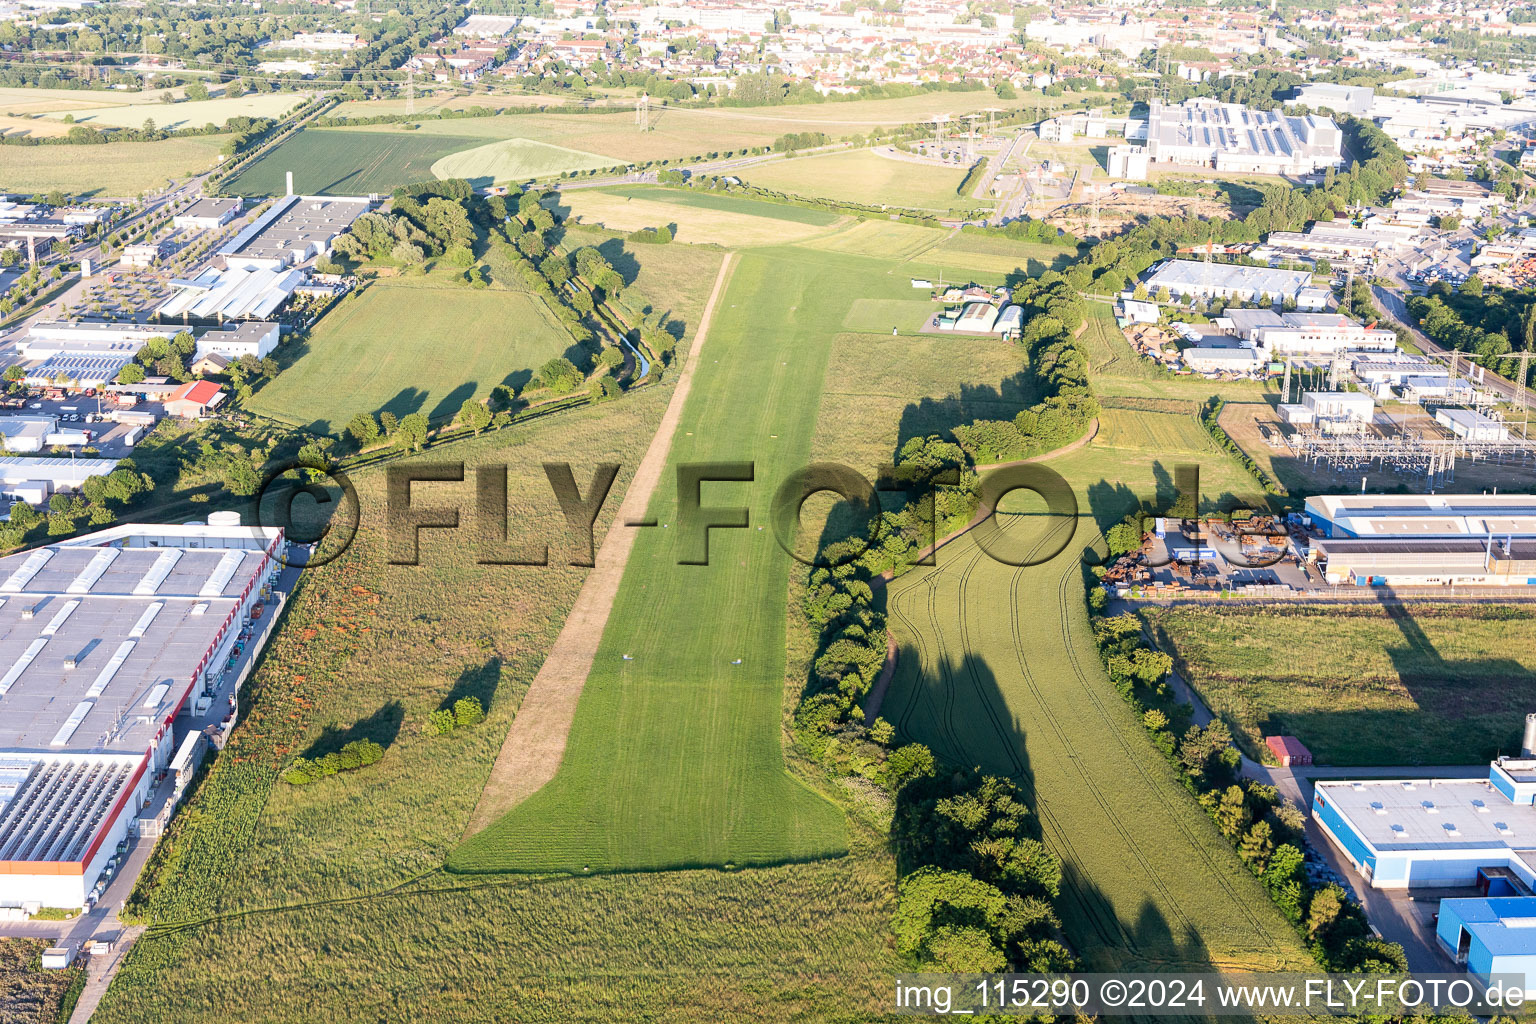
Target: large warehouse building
x=1232 y=137
x=105 y=641
x=1423 y=515
x=1425 y=540
x=1231 y=281
x=1434 y=833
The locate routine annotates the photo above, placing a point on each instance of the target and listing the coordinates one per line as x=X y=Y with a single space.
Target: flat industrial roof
x=1502 y=923
x=211 y=206
x=1431 y=814
x=300 y=221
x=135 y=621
x=1195 y=273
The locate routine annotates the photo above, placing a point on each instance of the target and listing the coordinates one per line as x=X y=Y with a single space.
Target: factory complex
x=116 y=648
x=1229 y=137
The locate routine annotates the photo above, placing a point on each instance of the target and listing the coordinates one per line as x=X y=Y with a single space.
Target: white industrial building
x=207 y=213
x=293 y=230
x=1434 y=833
x=1305 y=334
x=1341 y=99
x=231 y=293
x=1326 y=240
x=1231 y=137
x=1472 y=425
x=1200 y=280
x=108 y=642
x=253 y=338
x=1218 y=354
x=33 y=433
x=1330 y=411
x=33 y=480
x=1423 y=515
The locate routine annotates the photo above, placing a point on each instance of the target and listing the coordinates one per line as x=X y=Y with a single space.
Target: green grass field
x=882 y=390
x=191 y=114
x=735 y=225
x=675 y=757
x=515 y=160
x=411 y=346
x=863 y=176
x=117 y=169
x=332 y=161
x=1362 y=685
x=726 y=204
x=999 y=256
x=687 y=132
x=882 y=239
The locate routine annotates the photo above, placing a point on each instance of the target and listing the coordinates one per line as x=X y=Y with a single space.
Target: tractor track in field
x=1212 y=869
x=530 y=755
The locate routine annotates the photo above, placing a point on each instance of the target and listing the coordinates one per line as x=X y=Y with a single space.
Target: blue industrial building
x=1491 y=935
x=1436 y=833
x=1423 y=516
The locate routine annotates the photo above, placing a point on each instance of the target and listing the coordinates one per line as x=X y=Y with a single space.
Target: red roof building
x=194 y=399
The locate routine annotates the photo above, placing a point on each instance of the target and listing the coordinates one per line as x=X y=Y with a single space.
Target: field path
x=531 y=754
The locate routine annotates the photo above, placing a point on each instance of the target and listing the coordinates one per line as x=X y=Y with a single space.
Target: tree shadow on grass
x=409 y=400
x=480 y=682
x=382 y=727
x=621 y=259
x=448 y=407
x=980 y=402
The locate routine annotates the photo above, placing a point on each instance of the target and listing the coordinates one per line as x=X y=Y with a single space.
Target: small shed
x=1288 y=750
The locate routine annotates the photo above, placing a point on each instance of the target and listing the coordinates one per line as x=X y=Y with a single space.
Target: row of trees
x=1267 y=833
x=1053 y=315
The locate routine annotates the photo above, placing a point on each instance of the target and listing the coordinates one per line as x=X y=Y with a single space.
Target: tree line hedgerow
x=351 y=757
x=1267 y=833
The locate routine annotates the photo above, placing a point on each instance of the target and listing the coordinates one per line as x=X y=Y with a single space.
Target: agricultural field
x=335 y=161
x=997 y=668
x=881 y=239
x=1362 y=684
x=515 y=160
x=627 y=210
x=27 y=100
x=857 y=176
x=412 y=346
x=1000 y=256
x=190 y=114
x=881 y=391
x=675 y=757
x=705 y=200
x=118 y=169
x=32 y=125
x=432 y=103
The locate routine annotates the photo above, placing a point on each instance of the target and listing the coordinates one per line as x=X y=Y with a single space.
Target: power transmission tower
x=1349 y=290
x=1520 y=393
x=1285 y=388
x=643 y=112
x=410 y=91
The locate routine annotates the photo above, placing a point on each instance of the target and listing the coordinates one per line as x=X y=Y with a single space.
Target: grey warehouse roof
x=135 y=621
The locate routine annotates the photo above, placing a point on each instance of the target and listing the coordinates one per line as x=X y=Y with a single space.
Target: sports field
x=737 y=226
x=411 y=347
x=333 y=161
x=675 y=755
x=117 y=169
x=862 y=176
x=1362 y=685
x=997 y=668
x=191 y=114
x=515 y=160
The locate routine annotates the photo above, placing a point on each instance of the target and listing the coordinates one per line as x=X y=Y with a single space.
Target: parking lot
x=108 y=438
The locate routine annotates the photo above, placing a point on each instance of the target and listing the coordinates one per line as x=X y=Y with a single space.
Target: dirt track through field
x=531 y=754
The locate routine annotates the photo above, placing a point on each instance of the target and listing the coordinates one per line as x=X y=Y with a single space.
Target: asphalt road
x=1395 y=309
